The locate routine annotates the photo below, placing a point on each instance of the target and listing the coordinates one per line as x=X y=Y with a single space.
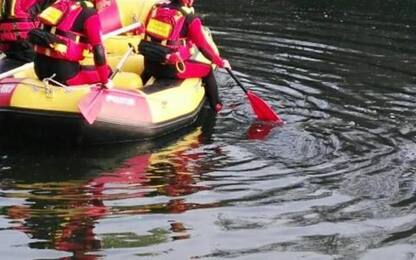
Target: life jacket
x=58 y=20
x=165 y=26
x=16 y=20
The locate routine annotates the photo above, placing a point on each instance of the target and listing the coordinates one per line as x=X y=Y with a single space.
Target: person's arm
x=197 y=35
x=93 y=32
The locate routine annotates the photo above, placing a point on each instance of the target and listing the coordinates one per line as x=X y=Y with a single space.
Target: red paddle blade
x=90 y=105
x=262 y=110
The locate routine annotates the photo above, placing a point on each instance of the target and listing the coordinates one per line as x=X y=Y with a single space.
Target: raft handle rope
x=49 y=88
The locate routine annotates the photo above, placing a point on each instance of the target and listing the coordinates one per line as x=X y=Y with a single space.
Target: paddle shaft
x=236 y=80
x=124 y=29
x=122 y=61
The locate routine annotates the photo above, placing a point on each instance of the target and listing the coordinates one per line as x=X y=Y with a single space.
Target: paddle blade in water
x=263 y=110
x=91 y=104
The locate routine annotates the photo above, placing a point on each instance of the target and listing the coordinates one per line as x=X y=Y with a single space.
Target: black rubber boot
x=211 y=90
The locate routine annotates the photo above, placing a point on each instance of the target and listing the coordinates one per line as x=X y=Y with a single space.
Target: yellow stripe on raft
x=164 y=105
x=61 y=100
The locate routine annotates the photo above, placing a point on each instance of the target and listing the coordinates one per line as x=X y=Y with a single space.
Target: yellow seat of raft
x=127 y=80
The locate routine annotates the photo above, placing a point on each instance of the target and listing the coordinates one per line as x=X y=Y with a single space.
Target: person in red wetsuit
x=69 y=29
x=17 y=18
x=172 y=32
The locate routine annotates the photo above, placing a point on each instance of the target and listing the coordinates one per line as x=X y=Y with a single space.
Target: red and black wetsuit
x=192 y=31
x=71 y=72
x=18 y=17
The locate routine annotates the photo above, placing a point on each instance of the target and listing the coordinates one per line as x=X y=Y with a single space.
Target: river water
x=337 y=181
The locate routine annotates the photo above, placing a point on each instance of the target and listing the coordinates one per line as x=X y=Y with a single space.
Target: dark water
x=337 y=181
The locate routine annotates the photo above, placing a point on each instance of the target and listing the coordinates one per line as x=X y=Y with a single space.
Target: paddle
x=90 y=106
x=262 y=110
x=29 y=65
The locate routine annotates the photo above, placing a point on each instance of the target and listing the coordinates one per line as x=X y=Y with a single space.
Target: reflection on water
x=337 y=181
x=62 y=214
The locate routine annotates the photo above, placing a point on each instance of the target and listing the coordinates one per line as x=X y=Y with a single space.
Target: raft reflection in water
x=64 y=215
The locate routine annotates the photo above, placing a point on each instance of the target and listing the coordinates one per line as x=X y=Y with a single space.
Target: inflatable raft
x=130 y=111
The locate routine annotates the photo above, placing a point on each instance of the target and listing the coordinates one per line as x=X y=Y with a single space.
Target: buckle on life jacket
x=59 y=47
x=70 y=35
x=180 y=42
x=153 y=51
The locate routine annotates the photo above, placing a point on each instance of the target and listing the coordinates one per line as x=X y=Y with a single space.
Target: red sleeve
x=92 y=29
x=103 y=72
x=197 y=35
